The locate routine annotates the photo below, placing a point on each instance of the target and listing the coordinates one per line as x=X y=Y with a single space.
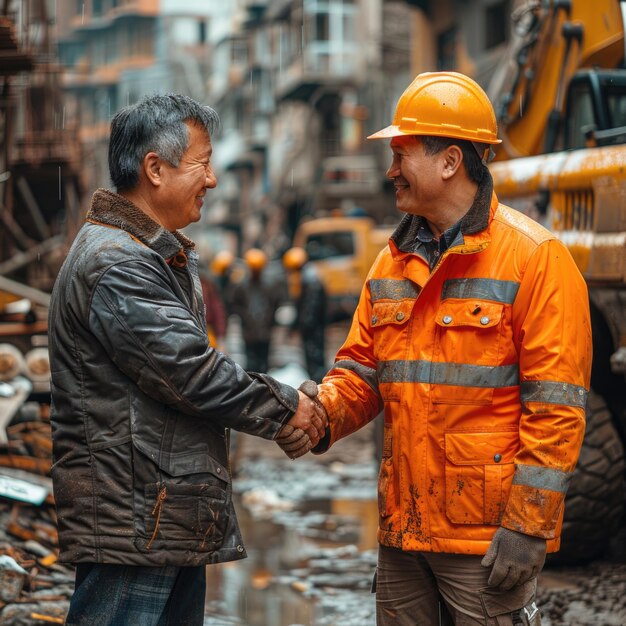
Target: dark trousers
x=128 y=595
x=439 y=589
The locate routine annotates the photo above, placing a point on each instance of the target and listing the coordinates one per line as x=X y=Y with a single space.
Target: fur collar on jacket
x=475 y=220
x=112 y=209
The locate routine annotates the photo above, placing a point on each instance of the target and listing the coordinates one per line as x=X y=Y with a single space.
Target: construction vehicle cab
x=595 y=110
x=560 y=99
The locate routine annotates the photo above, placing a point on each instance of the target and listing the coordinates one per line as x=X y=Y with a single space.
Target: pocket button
x=447 y=319
x=497 y=458
x=484 y=320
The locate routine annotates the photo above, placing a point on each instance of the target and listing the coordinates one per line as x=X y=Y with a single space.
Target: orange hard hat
x=444 y=104
x=221 y=262
x=255 y=259
x=295 y=258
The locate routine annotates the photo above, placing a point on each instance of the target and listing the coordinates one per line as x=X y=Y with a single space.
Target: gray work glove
x=295 y=442
x=515 y=557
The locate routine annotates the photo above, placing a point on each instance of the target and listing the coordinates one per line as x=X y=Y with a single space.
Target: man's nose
x=211 y=179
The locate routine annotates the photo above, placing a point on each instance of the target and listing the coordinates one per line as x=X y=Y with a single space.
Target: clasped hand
x=307 y=426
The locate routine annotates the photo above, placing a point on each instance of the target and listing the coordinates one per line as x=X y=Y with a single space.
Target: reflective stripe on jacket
x=483 y=368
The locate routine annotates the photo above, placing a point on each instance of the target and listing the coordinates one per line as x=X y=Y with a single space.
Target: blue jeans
x=128 y=595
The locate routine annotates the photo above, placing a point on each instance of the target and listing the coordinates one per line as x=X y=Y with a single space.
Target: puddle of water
x=307 y=569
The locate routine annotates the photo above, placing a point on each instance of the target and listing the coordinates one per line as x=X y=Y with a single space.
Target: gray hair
x=154 y=124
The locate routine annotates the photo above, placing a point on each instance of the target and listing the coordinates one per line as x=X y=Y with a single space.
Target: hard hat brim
x=395 y=131
x=390 y=131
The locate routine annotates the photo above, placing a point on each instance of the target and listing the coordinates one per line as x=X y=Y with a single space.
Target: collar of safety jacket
x=474 y=224
x=113 y=210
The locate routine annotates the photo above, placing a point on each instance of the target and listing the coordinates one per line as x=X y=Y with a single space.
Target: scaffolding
x=40 y=180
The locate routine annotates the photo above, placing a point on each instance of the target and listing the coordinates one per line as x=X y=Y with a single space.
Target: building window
x=497 y=19
x=330 y=36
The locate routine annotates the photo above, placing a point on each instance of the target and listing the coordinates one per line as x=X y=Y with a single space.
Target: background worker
x=255 y=299
x=473 y=333
x=141 y=401
x=311 y=310
x=221 y=268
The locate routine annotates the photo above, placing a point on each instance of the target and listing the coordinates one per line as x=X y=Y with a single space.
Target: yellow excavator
x=560 y=98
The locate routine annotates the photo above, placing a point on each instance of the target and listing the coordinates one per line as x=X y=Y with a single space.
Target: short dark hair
x=154 y=124
x=474 y=165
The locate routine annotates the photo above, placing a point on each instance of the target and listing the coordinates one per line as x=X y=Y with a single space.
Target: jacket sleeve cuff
x=533 y=511
x=285 y=394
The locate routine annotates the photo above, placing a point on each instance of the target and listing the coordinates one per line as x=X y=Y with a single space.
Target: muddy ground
x=309 y=527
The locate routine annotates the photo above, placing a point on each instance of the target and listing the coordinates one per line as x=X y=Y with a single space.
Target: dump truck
x=560 y=99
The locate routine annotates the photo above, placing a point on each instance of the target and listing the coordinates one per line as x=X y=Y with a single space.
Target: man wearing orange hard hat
x=255 y=299
x=473 y=335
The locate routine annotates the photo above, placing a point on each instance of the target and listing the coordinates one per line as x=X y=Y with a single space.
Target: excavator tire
x=594 y=505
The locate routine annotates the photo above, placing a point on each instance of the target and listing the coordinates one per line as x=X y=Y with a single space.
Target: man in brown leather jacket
x=142 y=402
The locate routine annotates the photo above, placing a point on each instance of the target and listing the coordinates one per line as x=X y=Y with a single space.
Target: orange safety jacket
x=483 y=369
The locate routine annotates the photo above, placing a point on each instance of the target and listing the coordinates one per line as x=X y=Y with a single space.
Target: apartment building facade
x=300 y=84
x=116 y=51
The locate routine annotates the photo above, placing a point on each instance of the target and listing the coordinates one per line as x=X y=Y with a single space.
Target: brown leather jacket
x=142 y=402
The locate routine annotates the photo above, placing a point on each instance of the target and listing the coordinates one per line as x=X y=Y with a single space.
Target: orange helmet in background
x=255 y=259
x=221 y=262
x=444 y=104
x=295 y=258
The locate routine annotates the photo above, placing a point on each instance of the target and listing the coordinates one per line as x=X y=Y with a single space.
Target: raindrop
x=280 y=49
x=83 y=18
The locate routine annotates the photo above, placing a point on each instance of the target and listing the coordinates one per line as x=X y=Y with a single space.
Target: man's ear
x=152 y=168
x=453 y=157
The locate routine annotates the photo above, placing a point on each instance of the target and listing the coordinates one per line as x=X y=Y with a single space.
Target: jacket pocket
x=479 y=470
x=183 y=512
x=499 y=605
x=185 y=462
x=467 y=352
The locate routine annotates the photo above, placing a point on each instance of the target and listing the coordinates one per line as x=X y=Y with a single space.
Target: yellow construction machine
x=560 y=98
x=343 y=249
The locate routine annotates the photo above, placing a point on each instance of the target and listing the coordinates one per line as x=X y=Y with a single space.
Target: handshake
x=307 y=426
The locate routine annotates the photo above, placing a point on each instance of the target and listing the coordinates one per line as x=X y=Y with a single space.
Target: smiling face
x=183 y=188
x=416 y=176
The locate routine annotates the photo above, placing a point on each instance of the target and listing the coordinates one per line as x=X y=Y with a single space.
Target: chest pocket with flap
x=469 y=341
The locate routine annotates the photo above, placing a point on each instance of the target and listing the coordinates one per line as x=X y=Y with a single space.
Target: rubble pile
x=34 y=588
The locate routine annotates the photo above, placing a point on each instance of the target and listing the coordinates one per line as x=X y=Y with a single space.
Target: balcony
x=350 y=176
x=322 y=65
x=12 y=59
x=46 y=147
